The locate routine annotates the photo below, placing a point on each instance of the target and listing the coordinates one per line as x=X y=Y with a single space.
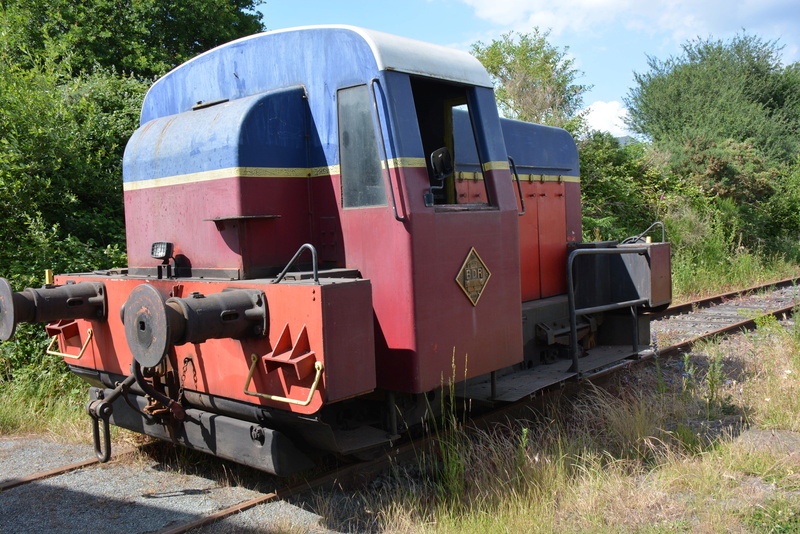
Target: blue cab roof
x=310 y=56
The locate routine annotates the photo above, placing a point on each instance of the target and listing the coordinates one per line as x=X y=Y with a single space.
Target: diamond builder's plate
x=473 y=276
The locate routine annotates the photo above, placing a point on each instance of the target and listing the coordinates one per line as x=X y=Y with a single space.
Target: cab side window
x=359 y=160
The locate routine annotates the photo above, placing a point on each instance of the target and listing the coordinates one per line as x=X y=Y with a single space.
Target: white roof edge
x=411 y=56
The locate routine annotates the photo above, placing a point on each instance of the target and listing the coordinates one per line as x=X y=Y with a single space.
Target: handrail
x=372 y=83
x=50 y=351
x=314 y=268
x=519 y=187
x=637 y=238
x=574 y=312
x=254 y=358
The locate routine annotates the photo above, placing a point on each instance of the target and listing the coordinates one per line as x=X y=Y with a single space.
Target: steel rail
x=698 y=304
x=705 y=302
x=15 y=482
x=328 y=479
x=746 y=324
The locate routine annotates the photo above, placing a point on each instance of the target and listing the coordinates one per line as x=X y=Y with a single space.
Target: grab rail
x=519 y=187
x=315 y=272
x=50 y=351
x=637 y=238
x=372 y=83
x=254 y=358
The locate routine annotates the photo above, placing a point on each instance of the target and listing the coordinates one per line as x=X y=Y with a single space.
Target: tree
x=141 y=37
x=621 y=189
x=61 y=141
x=718 y=91
x=728 y=115
x=534 y=80
x=72 y=77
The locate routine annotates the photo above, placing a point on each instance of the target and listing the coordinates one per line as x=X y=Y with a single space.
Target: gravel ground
x=278 y=517
x=685 y=326
x=130 y=496
x=21 y=456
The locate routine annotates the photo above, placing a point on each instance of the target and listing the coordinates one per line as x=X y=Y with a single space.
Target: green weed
x=715 y=378
x=779 y=515
x=688 y=377
x=689 y=440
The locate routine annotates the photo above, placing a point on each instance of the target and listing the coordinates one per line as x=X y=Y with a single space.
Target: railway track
x=676 y=329
x=42 y=475
x=681 y=326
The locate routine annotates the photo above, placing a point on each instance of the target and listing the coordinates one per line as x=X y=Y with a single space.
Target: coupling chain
x=186 y=361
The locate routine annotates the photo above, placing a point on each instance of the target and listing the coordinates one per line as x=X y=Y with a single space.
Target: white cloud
x=567 y=14
x=607 y=117
x=679 y=19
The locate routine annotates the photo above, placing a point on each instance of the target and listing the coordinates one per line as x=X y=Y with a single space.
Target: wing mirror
x=442 y=167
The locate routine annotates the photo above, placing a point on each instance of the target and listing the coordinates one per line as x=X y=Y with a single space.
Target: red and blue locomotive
x=325 y=225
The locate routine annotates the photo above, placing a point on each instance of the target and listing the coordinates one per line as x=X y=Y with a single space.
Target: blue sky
x=608 y=39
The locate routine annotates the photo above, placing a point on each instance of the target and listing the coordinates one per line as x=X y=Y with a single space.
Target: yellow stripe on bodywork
x=549 y=178
x=406 y=162
x=218 y=174
x=466 y=175
x=256 y=172
x=495 y=166
x=299 y=172
x=504 y=166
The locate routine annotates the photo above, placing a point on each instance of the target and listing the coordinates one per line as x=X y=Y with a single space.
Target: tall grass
x=24 y=411
x=695 y=274
x=650 y=452
x=709 y=254
x=37 y=392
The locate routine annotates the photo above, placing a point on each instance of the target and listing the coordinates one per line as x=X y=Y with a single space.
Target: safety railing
x=574 y=312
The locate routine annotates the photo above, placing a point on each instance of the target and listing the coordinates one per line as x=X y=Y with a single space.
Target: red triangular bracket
x=68 y=328
x=297 y=355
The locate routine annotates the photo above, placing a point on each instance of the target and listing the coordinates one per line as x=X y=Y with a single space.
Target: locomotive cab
x=437 y=243
x=325 y=226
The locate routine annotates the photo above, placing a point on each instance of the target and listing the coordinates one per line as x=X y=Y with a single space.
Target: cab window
x=359 y=160
x=444 y=120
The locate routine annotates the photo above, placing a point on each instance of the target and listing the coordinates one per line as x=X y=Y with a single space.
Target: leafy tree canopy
x=61 y=141
x=622 y=191
x=72 y=77
x=534 y=80
x=141 y=37
x=716 y=91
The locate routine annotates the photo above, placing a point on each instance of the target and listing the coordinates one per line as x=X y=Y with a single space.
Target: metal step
x=514 y=386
